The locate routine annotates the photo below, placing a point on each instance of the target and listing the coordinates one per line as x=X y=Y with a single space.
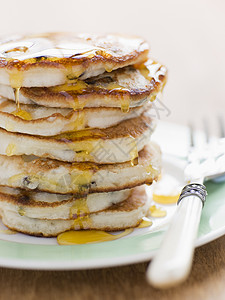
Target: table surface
x=188 y=36
x=206 y=282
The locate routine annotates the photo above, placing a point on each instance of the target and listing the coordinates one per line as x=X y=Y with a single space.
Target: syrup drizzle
x=145 y=223
x=89 y=236
x=94 y=236
x=165 y=199
x=157 y=212
x=133 y=152
x=21 y=211
x=16 y=82
x=11 y=149
x=80 y=213
x=22 y=114
x=17 y=99
x=74 y=87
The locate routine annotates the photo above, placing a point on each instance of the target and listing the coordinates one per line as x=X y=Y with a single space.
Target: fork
x=173 y=261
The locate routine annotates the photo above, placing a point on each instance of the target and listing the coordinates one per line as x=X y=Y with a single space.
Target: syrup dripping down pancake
x=47 y=121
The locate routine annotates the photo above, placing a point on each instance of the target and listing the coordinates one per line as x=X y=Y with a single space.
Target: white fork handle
x=173 y=261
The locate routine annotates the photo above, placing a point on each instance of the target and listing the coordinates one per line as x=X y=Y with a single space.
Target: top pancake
x=55 y=58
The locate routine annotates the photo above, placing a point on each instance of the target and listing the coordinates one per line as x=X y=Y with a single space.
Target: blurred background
x=186 y=36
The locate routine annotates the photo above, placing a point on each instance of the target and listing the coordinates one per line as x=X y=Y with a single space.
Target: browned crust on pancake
x=108 y=229
x=111 y=189
x=144 y=155
x=59 y=115
x=134 y=57
x=42 y=164
x=37 y=93
x=125 y=186
x=132 y=127
x=138 y=55
x=25 y=198
x=137 y=198
x=121 y=187
x=25 y=231
x=153 y=86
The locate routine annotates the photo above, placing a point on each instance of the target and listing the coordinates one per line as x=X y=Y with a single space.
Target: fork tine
x=221 y=126
x=206 y=129
x=191 y=134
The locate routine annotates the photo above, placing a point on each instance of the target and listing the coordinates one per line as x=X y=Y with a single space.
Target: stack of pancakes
x=75 y=127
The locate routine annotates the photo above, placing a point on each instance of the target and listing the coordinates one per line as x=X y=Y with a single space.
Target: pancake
x=41 y=205
x=115 y=144
x=126 y=214
x=46 y=121
x=66 y=178
x=55 y=58
x=124 y=88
